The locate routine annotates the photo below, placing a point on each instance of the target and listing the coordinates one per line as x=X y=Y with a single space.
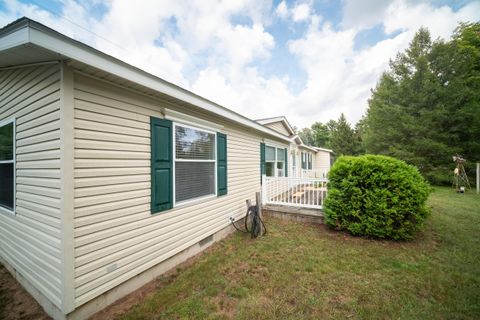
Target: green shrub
x=376 y=196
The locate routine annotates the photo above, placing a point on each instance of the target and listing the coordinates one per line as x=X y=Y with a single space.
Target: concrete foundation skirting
x=109 y=297
x=51 y=309
x=294 y=213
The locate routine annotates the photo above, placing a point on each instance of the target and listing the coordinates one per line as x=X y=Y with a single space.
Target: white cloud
x=202 y=46
x=340 y=77
x=301 y=12
x=282 y=10
x=363 y=14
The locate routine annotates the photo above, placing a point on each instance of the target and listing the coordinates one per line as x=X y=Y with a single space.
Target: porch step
x=293 y=213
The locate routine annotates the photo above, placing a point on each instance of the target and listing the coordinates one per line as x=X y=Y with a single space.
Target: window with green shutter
x=221 y=164
x=263 y=165
x=273 y=161
x=195 y=163
x=187 y=163
x=161 y=165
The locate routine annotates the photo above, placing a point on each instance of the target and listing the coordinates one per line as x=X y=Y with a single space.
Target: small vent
x=206 y=240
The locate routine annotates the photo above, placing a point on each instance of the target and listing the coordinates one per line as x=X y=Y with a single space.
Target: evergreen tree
x=343 y=139
x=426 y=107
x=321 y=135
x=306 y=135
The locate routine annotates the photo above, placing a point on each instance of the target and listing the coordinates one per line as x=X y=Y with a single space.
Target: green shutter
x=263 y=165
x=162 y=164
x=221 y=164
x=286 y=162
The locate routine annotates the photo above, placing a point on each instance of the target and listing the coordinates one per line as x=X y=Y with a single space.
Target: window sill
x=186 y=203
x=4 y=210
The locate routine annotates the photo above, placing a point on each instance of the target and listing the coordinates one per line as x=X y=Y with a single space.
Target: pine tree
x=426 y=107
x=343 y=139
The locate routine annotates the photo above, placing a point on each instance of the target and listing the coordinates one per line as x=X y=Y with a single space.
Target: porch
x=309 y=173
x=307 y=194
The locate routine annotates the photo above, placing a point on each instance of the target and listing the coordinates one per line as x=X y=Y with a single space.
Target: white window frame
x=278 y=161
x=274 y=161
x=294 y=164
x=275 y=170
x=14 y=161
x=197 y=199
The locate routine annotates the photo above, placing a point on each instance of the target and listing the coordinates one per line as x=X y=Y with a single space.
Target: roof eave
x=25 y=31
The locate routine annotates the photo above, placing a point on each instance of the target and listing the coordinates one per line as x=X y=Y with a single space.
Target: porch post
x=264 y=190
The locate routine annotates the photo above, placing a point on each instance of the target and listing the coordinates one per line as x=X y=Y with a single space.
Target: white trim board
x=196 y=123
x=14 y=161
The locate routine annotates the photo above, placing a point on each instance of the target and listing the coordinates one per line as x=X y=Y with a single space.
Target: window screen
x=270 y=166
x=7 y=166
x=270 y=154
x=280 y=169
x=280 y=154
x=194 y=144
x=193 y=180
x=194 y=163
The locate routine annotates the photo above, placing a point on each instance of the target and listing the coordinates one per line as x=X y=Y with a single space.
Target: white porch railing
x=314 y=173
x=296 y=192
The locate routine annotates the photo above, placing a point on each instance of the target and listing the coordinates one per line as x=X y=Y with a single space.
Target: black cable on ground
x=256 y=222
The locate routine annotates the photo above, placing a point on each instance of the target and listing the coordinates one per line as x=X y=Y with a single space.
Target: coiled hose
x=255 y=221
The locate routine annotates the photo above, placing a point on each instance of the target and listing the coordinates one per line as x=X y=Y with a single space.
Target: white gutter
x=323 y=149
x=44 y=37
x=307 y=147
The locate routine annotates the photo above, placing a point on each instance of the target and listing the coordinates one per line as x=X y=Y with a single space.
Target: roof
x=282 y=119
x=323 y=149
x=26 y=41
x=307 y=147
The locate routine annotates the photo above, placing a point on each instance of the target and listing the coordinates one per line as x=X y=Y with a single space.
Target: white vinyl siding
x=116 y=237
x=30 y=240
x=322 y=163
x=279 y=127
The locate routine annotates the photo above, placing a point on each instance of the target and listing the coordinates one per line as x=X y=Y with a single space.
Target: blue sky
x=307 y=60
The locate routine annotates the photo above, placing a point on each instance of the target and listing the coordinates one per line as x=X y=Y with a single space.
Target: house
x=305 y=161
x=111 y=176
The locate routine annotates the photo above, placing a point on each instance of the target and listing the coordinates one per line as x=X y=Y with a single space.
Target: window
x=310 y=157
x=274 y=162
x=280 y=162
x=294 y=165
x=270 y=161
x=7 y=165
x=195 y=163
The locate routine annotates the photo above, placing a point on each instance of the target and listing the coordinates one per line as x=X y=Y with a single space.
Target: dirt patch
x=15 y=302
x=123 y=305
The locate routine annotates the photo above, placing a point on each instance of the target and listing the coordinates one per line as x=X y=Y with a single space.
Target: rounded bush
x=376 y=196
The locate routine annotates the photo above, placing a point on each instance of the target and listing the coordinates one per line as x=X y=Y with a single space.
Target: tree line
x=424 y=109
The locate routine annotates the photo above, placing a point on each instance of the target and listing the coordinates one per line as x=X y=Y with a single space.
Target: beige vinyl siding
x=322 y=161
x=116 y=236
x=30 y=240
x=279 y=127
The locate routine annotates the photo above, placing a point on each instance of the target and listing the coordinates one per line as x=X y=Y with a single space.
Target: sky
x=307 y=60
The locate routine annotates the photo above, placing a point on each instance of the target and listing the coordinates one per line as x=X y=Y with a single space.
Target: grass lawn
x=308 y=272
